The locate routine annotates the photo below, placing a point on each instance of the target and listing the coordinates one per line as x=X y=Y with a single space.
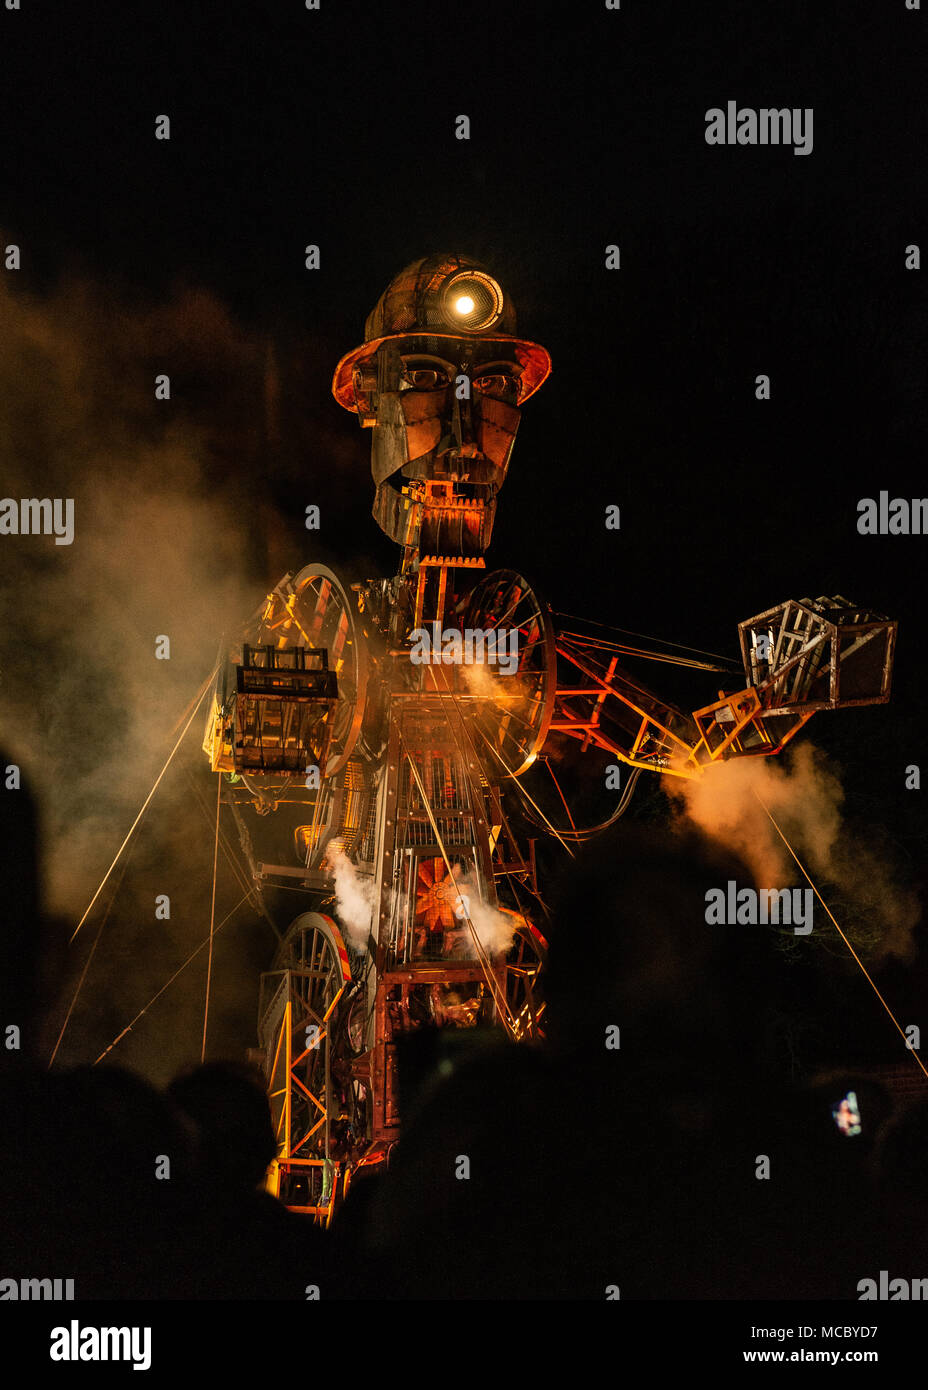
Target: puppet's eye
x=423 y=374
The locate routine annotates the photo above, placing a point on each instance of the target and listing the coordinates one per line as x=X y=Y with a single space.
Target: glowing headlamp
x=471 y=300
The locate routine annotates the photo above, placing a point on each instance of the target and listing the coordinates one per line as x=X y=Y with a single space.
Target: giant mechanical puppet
x=372 y=741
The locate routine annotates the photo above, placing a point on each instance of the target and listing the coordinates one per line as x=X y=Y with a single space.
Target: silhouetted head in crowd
x=19 y=915
x=228 y=1105
x=117 y=1125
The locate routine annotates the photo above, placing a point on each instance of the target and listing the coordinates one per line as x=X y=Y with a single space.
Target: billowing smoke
x=160 y=550
x=354 y=896
x=103 y=641
x=855 y=873
x=505 y=720
x=803 y=794
x=495 y=930
x=489 y=681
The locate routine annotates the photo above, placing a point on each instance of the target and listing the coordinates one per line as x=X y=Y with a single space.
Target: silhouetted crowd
x=677 y=1162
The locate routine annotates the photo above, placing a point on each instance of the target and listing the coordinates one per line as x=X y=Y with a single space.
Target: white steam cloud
x=354 y=896
x=495 y=929
x=804 y=795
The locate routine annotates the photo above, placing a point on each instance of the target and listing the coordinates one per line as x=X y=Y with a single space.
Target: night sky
x=337 y=128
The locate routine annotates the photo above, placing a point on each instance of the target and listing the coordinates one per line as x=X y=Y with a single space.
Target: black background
x=336 y=127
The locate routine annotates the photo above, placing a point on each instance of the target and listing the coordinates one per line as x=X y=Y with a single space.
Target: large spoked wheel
x=311 y=609
x=525 y=963
x=299 y=1030
x=514 y=710
x=314 y=944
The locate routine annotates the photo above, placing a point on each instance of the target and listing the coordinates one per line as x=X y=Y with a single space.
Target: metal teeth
x=471 y=504
x=476 y=562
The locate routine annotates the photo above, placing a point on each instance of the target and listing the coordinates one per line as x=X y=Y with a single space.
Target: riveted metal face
x=444 y=408
x=441 y=381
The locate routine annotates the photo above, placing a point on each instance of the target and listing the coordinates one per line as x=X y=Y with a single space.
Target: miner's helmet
x=439 y=296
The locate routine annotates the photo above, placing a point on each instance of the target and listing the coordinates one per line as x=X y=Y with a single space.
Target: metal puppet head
x=441 y=379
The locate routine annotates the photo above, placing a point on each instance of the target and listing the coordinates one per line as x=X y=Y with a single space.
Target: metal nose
x=462 y=427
